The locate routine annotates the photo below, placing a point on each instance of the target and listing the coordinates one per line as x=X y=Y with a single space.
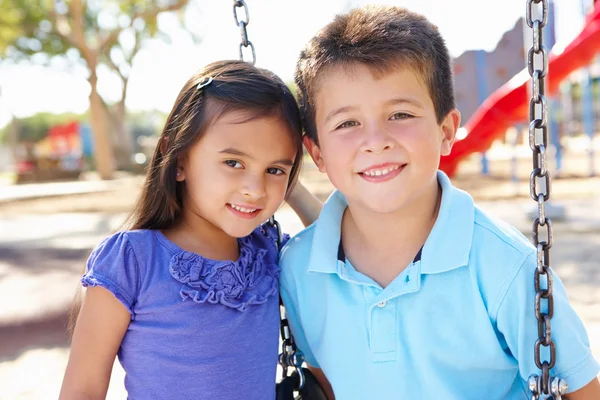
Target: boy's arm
x=591 y=391
x=516 y=322
x=325 y=385
x=305 y=204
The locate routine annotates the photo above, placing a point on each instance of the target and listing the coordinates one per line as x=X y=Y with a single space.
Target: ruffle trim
x=250 y=280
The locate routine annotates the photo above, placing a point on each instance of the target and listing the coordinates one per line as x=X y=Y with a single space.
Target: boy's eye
x=347 y=124
x=275 y=171
x=400 y=115
x=233 y=164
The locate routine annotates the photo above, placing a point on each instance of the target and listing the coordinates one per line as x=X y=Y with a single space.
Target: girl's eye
x=400 y=115
x=275 y=171
x=233 y=164
x=347 y=124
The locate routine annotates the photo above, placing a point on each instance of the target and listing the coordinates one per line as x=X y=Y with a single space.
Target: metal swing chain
x=290 y=356
x=539 y=188
x=242 y=23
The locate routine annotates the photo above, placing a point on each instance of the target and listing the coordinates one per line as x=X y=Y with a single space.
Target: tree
x=91 y=31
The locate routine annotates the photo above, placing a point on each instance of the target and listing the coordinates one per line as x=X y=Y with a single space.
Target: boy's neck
x=392 y=239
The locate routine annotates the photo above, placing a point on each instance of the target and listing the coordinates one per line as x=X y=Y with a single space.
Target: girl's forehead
x=259 y=135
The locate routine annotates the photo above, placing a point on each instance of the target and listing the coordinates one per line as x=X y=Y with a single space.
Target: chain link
x=242 y=24
x=290 y=356
x=539 y=188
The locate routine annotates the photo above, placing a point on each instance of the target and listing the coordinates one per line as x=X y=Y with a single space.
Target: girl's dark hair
x=236 y=85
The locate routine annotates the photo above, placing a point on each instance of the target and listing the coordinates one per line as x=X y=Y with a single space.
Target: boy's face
x=379 y=141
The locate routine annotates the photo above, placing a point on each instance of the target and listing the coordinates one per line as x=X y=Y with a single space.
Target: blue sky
x=278 y=29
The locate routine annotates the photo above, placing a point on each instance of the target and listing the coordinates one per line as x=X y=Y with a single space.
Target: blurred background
x=85 y=87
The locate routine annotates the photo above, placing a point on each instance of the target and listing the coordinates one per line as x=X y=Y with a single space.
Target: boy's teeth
x=379 y=172
x=242 y=209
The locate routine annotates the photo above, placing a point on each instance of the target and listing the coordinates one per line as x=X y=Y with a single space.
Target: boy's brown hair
x=381 y=38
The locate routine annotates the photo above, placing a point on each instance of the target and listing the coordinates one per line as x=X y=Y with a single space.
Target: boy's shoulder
x=296 y=252
x=490 y=231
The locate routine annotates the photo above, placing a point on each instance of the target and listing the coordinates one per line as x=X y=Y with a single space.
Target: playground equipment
x=508 y=105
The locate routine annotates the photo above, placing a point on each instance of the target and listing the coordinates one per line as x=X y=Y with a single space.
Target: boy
x=403 y=288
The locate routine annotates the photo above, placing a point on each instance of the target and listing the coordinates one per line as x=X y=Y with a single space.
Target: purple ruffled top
x=200 y=328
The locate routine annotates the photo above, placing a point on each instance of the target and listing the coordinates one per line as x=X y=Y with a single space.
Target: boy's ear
x=449 y=126
x=314 y=151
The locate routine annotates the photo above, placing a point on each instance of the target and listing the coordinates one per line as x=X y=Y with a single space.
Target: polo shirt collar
x=327 y=233
x=447 y=247
x=449 y=243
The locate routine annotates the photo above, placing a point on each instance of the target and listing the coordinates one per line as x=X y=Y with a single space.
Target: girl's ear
x=180 y=175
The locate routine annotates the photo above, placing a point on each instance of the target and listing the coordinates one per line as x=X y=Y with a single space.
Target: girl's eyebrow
x=239 y=153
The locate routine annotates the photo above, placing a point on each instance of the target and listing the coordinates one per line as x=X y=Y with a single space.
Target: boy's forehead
x=334 y=79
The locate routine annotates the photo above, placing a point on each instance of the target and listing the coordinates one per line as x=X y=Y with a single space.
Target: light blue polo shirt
x=458 y=323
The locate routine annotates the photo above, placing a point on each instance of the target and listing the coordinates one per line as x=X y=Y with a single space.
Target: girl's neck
x=195 y=234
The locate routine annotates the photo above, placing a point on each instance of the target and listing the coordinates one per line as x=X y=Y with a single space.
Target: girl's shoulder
x=268 y=236
x=128 y=238
x=127 y=244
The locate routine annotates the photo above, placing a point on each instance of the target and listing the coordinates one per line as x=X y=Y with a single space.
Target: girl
x=188 y=298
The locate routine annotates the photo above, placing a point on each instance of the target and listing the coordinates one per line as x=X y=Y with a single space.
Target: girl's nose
x=254 y=187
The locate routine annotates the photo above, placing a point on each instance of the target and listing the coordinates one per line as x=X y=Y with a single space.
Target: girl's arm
x=305 y=204
x=100 y=327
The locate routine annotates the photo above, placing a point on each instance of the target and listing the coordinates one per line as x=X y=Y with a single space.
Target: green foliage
x=53 y=27
x=36 y=127
x=25 y=29
x=293 y=89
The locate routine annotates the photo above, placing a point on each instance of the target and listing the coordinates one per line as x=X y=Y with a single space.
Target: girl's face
x=237 y=174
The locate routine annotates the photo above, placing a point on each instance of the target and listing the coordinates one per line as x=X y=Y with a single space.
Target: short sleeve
x=113 y=266
x=284 y=239
x=517 y=322
x=289 y=302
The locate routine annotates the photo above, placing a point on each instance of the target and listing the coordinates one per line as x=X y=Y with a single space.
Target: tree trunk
x=123 y=136
x=103 y=150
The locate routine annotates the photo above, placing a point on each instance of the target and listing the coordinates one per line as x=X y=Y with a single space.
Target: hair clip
x=205 y=82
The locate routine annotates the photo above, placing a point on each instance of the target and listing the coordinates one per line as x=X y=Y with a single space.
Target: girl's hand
x=305 y=204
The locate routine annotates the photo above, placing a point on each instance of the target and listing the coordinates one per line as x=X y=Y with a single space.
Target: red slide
x=510 y=103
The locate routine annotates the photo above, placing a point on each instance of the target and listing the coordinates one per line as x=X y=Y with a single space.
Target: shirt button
x=381 y=304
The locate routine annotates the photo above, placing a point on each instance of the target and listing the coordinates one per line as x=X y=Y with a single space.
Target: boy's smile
x=382 y=172
x=379 y=139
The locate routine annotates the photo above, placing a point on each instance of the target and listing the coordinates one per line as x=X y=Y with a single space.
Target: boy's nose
x=377 y=140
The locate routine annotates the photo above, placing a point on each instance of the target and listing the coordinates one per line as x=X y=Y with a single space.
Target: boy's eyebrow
x=239 y=153
x=339 y=111
x=399 y=100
